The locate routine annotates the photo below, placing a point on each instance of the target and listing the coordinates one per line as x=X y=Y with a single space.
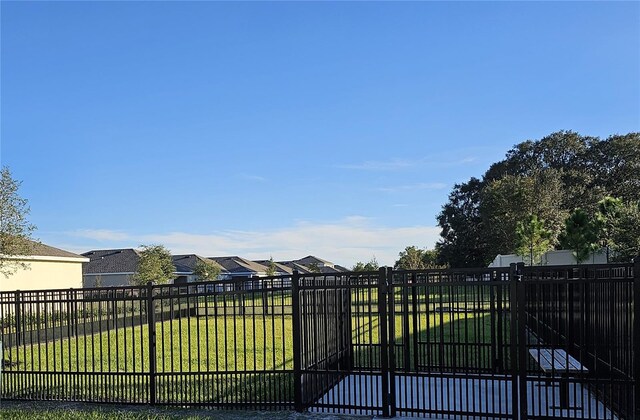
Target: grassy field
x=51 y=411
x=232 y=358
x=230 y=343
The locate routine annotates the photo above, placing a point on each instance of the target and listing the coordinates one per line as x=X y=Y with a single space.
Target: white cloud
x=344 y=242
x=102 y=235
x=256 y=178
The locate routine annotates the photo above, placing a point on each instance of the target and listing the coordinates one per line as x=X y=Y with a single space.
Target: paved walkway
x=483 y=397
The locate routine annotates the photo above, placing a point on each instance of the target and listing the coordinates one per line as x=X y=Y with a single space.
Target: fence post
x=513 y=339
x=406 y=330
x=522 y=341
x=636 y=334
x=492 y=311
x=384 y=339
x=392 y=344
x=297 y=348
x=151 y=321
x=17 y=317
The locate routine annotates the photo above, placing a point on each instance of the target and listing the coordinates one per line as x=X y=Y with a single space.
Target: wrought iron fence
x=459 y=343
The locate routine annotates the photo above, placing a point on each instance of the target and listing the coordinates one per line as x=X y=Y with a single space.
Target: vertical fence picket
x=513 y=329
x=297 y=348
x=384 y=339
x=151 y=321
x=522 y=341
x=343 y=352
x=636 y=334
x=392 y=344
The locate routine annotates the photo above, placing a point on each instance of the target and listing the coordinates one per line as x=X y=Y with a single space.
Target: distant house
x=186 y=264
x=110 y=267
x=48 y=268
x=560 y=257
x=312 y=264
x=280 y=268
x=240 y=267
x=116 y=267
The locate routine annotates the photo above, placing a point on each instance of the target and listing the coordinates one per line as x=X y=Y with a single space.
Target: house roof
x=304 y=265
x=310 y=259
x=187 y=263
x=41 y=250
x=104 y=261
x=292 y=265
x=235 y=264
x=331 y=269
x=280 y=268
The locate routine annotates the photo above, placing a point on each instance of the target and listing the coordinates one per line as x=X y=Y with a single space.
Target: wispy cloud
x=397 y=164
x=344 y=241
x=256 y=178
x=373 y=165
x=413 y=187
x=102 y=235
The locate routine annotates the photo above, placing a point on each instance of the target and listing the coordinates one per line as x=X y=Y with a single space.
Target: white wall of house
x=45 y=273
x=561 y=257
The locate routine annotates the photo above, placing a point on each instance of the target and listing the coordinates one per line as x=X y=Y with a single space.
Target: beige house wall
x=45 y=274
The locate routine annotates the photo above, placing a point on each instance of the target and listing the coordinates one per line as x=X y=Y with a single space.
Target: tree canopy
x=372 y=265
x=580 y=235
x=533 y=239
x=156 y=266
x=548 y=179
x=206 y=270
x=414 y=258
x=15 y=229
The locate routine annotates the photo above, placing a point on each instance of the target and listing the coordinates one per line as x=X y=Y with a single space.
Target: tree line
x=564 y=191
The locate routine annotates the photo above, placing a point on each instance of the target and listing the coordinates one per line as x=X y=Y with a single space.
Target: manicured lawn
x=204 y=344
x=233 y=343
x=54 y=411
x=229 y=358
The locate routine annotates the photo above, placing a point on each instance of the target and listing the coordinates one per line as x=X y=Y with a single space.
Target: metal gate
x=466 y=343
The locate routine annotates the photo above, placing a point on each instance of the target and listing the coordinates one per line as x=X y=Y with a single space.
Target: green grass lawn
x=230 y=343
x=73 y=411
x=195 y=355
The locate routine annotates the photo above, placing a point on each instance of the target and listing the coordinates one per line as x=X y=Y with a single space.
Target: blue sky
x=288 y=129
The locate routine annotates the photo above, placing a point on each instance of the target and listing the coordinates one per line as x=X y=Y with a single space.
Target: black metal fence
x=585 y=312
x=457 y=343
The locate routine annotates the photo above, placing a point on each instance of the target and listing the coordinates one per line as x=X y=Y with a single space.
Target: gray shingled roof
x=103 y=261
x=281 y=269
x=187 y=263
x=235 y=264
x=310 y=259
x=292 y=265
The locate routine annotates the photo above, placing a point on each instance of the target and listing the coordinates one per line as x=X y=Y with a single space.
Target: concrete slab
x=456 y=397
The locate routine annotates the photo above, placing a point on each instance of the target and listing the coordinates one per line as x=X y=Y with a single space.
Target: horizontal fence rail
x=492 y=343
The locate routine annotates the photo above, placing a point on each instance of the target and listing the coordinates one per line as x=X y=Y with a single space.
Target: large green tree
x=534 y=239
x=511 y=200
x=155 y=266
x=625 y=235
x=615 y=166
x=15 y=229
x=580 y=235
x=607 y=218
x=371 y=265
x=547 y=177
x=463 y=243
x=414 y=258
x=206 y=270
